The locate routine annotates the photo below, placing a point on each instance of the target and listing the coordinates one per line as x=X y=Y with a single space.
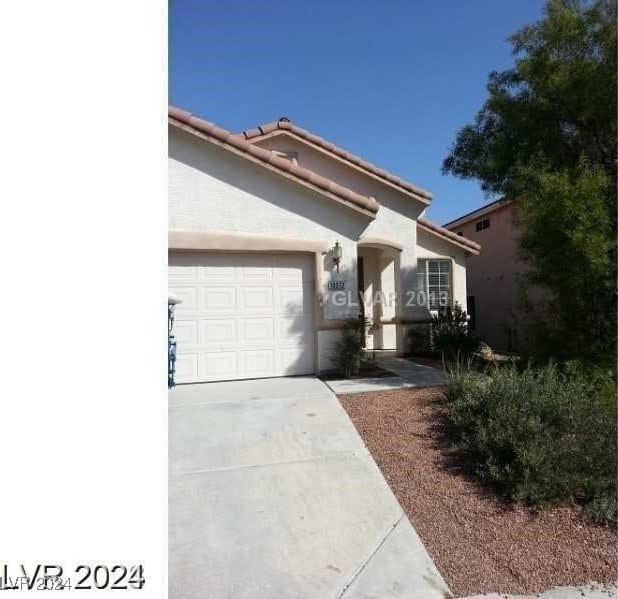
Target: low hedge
x=540 y=435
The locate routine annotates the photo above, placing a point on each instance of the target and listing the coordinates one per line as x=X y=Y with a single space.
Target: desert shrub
x=348 y=351
x=540 y=435
x=451 y=335
x=419 y=340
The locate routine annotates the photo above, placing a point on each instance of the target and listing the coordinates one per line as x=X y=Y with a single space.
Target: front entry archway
x=379 y=284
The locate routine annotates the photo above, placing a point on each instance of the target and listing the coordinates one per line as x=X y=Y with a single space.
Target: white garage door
x=242 y=315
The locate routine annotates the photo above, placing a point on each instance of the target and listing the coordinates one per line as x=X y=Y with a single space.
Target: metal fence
x=171 y=347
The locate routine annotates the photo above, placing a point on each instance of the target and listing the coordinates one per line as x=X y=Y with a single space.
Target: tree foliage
x=546 y=136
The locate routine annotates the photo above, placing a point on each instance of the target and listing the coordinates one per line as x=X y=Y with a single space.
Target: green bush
x=540 y=435
x=451 y=335
x=348 y=351
x=419 y=340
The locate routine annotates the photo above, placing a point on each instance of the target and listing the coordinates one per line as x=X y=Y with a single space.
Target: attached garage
x=245 y=315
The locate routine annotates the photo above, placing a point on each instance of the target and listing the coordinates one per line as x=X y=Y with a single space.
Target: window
x=434 y=283
x=482 y=224
x=460 y=233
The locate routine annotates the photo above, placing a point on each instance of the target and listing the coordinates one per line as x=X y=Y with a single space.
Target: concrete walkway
x=273 y=494
x=417 y=374
x=406 y=374
x=366 y=385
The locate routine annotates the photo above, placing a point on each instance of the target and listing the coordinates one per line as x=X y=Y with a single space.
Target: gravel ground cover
x=479 y=543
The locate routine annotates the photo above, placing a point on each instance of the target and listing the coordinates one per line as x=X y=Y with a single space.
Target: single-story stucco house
x=273 y=232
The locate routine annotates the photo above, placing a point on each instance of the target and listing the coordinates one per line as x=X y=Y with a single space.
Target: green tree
x=546 y=136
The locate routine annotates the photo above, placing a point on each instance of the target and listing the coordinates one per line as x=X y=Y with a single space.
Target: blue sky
x=390 y=80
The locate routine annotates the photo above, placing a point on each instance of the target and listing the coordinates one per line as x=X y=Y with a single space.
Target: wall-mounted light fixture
x=337 y=254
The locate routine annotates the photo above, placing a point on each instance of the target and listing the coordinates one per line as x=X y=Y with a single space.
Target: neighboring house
x=273 y=231
x=493 y=276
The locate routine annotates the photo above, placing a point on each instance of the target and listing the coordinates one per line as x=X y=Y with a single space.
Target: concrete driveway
x=272 y=494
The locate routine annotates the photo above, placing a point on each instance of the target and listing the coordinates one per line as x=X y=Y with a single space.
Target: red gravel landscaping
x=478 y=543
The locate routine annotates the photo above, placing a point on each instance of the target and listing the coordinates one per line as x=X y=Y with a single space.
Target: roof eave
x=307 y=184
x=470 y=216
x=465 y=244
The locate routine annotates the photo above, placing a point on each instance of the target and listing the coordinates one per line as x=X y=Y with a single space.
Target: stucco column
x=407 y=281
x=388 y=288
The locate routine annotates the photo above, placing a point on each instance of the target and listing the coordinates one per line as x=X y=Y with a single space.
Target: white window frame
x=424 y=286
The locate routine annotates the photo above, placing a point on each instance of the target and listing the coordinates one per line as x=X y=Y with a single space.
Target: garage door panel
x=243 y=315
x=292 y=276
x=186 y=332
x=181 y=273
x=256 y=274
x=218 y=299
x=187 y=366
x=295 y=300
x=258 y=362
x=220 y=331
x=257 y=330
x=257 y=299
x=219 y=365
x=294 y=331
x=218 y=274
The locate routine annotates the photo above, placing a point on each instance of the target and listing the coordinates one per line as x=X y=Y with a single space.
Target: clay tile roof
x=467 y=244
x=254 y=135
x=305 y=176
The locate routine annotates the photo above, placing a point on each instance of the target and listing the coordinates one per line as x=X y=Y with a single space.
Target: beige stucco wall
x=493 y=278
